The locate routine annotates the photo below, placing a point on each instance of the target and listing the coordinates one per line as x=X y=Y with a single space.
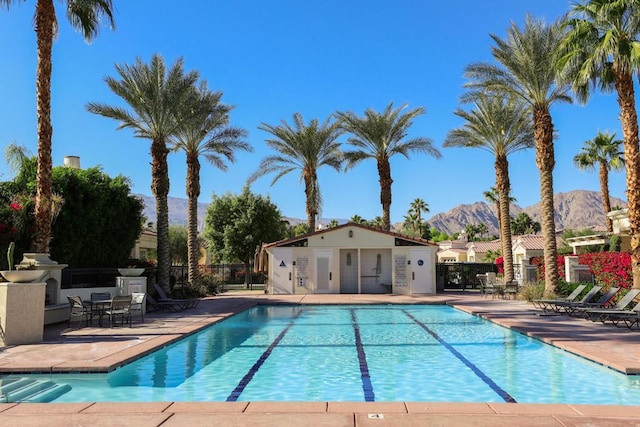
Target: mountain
x=573 y=210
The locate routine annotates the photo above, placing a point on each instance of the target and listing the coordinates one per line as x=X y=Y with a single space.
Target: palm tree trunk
x=384 y=172
x=193 y=192
x=629 y=120
x=311 y=209
x=45 y=22
x=545 y=160
x=604 y=189
x=160 y=189
x=503 y=186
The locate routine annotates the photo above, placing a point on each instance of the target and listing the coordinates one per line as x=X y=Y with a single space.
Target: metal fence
x=232 y=275
x=461 y=275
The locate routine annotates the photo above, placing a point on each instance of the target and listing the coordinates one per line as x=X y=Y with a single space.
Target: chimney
x=72 y=162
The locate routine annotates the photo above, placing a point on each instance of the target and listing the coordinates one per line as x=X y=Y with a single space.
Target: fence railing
x=461 y=275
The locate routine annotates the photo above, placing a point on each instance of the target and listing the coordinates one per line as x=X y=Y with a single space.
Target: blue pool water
x=348 y=353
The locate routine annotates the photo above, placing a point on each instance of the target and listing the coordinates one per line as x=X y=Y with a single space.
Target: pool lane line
x=367 y=387
x=495 y=387
x=244 y=382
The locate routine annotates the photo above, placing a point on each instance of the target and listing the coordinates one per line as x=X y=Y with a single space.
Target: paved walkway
x=104 y=349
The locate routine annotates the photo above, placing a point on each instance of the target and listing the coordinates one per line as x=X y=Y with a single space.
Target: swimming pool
x=345 y=353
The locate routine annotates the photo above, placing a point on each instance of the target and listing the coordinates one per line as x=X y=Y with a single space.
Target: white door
x=282 y=276
x=422 y=272
x=324 y=275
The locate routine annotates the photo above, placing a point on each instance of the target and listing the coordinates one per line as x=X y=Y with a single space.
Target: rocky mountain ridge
x=574 y=210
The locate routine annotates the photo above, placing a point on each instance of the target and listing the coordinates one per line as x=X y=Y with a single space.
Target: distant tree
x=418 y=206
x=306 y=148
x=377 y=222
x=491 y=256
x=333 y=223
x=236 y=224
x=437 y=235
x=178 y=244
x=603 y=151
x=380 y=136
x=523 y=224
x=298 y=230
x=358 y=219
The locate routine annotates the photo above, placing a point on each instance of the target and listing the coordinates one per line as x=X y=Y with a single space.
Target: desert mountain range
x=576 y=209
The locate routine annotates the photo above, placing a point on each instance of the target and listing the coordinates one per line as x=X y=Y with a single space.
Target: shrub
x=531 y=290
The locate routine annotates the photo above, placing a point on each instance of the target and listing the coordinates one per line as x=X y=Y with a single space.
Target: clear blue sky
x=271 y=59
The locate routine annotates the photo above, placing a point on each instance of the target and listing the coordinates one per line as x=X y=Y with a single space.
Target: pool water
x=350 y=353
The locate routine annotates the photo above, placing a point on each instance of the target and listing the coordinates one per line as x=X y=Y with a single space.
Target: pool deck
x=103 y=349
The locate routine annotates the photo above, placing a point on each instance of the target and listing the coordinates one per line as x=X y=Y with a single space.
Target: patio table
x=98 y=307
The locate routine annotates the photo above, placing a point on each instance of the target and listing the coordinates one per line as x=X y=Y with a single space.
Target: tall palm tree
x=84 y=16
x=601 y=51
x=603 y=151
x=417 y=207
x=501 y=126
x=306 y=148
x=528 y=61
x=492 y=196
x=380 y=136
x=153 y=93
x=208 y=134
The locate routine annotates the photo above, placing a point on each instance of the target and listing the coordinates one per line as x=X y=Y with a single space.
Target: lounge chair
x=186 y=303
x=601 y=314
x=602 y=302
x=559 y=306
x=163 y=305
x=628 y=317
x=548 y=303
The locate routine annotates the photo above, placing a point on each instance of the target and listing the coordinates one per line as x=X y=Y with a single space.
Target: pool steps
x=30 y=390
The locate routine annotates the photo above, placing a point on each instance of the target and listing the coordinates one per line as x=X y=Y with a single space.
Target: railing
x=461 y=275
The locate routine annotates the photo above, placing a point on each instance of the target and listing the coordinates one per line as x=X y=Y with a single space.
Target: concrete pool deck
x=103 y=349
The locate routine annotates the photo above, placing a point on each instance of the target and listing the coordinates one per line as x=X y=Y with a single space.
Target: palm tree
x=153 y=93
x=529 y=61
x=492 y=196
x=380 y=136
x=417 y=207
x=305 y=148
x=206 y=134
x=605 y=152
x=501 y=126
x=411 y=222
x=601 y=50
x=357 y=219
x=85 y=17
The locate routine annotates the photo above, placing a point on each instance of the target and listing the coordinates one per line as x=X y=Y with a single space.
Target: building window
x=348 y=258
x=378 y=264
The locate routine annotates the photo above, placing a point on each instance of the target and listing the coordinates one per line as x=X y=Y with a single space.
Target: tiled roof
x=494 y=245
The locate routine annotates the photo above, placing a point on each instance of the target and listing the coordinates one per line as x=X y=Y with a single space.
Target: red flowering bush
x=608 y=268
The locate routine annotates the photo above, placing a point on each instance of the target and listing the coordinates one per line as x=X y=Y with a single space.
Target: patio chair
x=603 y=301
x=78 y=310
x=594 y=314
x=120 y=306
x=186 y=303
x=563 y=305
x=164 y=305
x=138 y=302
x=547 y=303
